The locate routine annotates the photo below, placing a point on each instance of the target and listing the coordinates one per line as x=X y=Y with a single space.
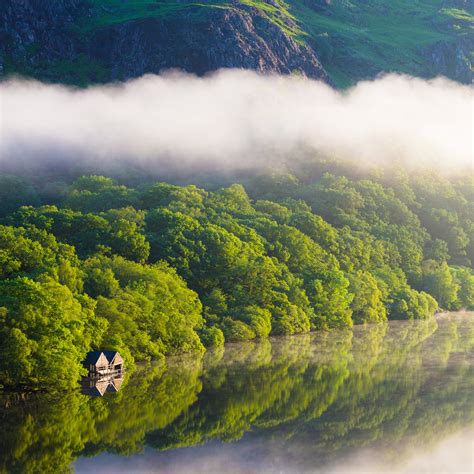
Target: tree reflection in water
x=301 y=399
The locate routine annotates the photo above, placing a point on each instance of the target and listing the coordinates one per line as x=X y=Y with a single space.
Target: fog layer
x=237 y=118
x=451 y=455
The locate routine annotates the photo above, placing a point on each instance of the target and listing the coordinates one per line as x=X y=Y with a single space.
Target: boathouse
x=100 y=363
x=99 y=386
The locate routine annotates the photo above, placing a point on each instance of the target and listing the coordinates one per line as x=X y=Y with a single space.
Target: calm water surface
x=382 y=399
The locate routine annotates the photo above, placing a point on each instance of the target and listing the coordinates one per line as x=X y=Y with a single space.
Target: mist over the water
x=236 y=119
x=453 y=454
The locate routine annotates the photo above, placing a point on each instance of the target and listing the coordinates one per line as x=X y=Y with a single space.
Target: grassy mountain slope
x=356 y=39
x=352 y=39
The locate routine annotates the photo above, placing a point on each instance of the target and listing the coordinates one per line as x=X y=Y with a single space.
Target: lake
x=396 y=397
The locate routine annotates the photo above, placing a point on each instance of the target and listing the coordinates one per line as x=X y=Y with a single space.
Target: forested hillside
x=339 y=41
x=159 y=268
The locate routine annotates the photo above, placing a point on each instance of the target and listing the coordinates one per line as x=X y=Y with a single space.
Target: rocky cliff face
x=452 y=59
x=68 y=41
x=38 y=34
x=224 y=38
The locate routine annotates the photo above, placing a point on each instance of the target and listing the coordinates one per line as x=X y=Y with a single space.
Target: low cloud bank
x=236 y=119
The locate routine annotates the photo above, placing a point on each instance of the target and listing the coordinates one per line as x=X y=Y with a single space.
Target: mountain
x=340 y=41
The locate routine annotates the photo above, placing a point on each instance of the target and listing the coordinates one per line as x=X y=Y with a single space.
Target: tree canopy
x=162 y=268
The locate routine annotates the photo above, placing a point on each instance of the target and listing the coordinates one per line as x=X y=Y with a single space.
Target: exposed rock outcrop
x=452 y=60
x=75 y=41
x=230 y=38
x=36 y=34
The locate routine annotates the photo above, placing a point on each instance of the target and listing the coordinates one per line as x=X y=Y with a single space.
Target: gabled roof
x=92 y=357
x=113 y=356
x=102 y=358
x=117 y=383
x=101 y=387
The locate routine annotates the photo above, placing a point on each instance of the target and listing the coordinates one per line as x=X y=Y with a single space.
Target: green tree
x=45 y=333
x=464 y=278
x=437 y=280
x=367 y=305
x=14 y=193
